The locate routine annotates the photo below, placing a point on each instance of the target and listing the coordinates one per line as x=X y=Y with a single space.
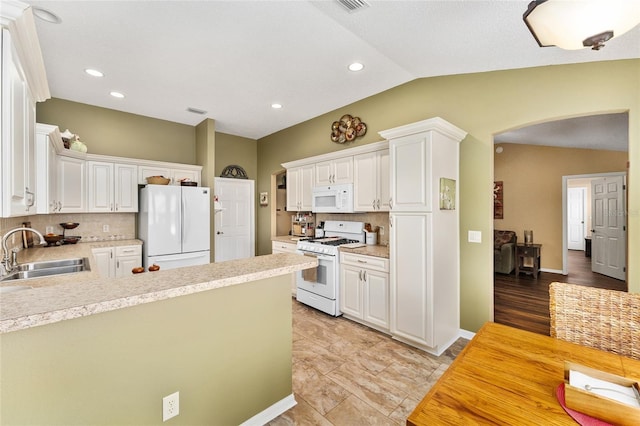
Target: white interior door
x=235 y=224
x=575 y=219
x=608 y=236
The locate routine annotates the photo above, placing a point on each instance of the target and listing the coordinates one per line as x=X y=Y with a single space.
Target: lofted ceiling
x=233 y=59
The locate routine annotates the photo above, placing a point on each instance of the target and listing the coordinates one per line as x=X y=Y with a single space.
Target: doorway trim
x=565 y=224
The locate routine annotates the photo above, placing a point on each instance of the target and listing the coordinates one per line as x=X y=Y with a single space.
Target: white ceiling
x=234 y=59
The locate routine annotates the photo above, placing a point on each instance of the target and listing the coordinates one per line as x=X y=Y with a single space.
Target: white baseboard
x=553 y=271
x=465 y=334
x=270 y=413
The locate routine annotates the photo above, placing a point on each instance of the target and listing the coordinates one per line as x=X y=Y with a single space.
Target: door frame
x=565 y=224
x=583 y=208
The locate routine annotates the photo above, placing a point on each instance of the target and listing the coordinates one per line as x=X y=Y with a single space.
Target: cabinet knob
x=219 y=232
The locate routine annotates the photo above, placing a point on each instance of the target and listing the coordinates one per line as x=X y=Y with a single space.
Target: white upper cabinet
x=335 y=171
x=112 y=187
x=23 y=83
x=47 y=169
x=174 y=172
x=371 y=181
x=18 y=121
x=299 y=188
x=71 y=185
x=410 y=170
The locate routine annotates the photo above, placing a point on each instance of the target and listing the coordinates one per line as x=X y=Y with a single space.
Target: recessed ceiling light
x=46 y=15
x=94 y=73
x=276 y=106
x=116 y=94
x=356 y=66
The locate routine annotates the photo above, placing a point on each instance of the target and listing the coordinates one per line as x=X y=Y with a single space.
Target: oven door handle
x=318 y=255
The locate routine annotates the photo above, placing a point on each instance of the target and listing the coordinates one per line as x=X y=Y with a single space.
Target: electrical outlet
x=105 y=228
x=170 y=406
x=48 y=230
x=381 y=231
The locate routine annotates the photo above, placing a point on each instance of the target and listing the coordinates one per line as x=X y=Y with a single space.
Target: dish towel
x=310 y=275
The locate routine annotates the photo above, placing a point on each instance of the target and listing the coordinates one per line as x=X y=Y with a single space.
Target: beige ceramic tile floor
x=348 y=374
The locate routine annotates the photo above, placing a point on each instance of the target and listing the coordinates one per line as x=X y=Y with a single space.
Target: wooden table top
x=509 y=376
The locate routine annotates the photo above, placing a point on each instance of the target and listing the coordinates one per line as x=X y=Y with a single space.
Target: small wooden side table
x=528 y=251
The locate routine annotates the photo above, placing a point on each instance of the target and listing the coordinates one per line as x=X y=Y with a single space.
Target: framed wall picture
x=264 y=198
x=447 y=194
x=498 y=202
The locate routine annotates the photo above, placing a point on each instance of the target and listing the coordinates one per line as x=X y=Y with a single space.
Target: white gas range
x=320 y=287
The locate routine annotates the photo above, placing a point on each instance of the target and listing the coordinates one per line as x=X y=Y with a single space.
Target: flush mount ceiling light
x=94 y=73
x=116 y=95
x=577 y=24
x=356 y=66
x=276 y=106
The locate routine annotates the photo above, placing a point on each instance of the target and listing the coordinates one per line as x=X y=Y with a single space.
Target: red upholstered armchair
x=504 y=251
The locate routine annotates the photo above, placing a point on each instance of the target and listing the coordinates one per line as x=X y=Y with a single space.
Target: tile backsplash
x=93 y=226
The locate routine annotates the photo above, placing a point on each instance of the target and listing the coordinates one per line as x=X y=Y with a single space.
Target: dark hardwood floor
x=523 y=301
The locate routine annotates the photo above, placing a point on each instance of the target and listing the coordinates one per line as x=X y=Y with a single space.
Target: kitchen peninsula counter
x=70 y=296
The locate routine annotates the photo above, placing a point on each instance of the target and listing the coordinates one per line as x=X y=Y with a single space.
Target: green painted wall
x=236 y=150
x=483 y=104
x=227 y=351
x=110 y=132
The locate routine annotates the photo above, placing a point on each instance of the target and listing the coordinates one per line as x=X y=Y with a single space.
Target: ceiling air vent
x=196 y=111
x=353 y=5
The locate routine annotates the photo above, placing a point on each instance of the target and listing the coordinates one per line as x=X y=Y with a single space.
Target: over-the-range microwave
x=333 y=198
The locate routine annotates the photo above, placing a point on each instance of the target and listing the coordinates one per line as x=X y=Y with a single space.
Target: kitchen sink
x=47 y=268
x=48 y=264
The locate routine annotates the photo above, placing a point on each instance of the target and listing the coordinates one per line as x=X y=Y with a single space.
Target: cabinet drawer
x=129 y=251
x=528 y=251
x=277 y=246
x=369 y=262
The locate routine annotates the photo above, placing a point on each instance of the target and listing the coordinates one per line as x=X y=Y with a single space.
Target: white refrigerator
x=174 y=223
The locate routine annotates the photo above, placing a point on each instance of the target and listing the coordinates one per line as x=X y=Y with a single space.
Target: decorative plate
x=347 y=129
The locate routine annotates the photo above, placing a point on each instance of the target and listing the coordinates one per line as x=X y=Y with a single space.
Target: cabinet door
x=71 y=185
x=46 y=173
x=177 y=175
x=324 y=173
x=411 y=265
x=125 y=188
x=100 y=186
x=306 y=187
x=124 y=265
x=376 y=298
x=351 y=286
x=52 y=179
x=383 y=181
x=343 y=170
x=293 y=189
x=365 y=182
x=334 y=171
x=300 y=187
x=410 y=173
x=14 y=132
x=145 y=171
x=104 y=261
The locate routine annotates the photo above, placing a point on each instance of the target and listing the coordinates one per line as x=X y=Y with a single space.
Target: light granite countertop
x=81 y=294
x=368 y=250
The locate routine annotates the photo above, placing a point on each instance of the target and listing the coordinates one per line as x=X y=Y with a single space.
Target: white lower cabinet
x=281 y=247
x=115 y=262
x=364 y=289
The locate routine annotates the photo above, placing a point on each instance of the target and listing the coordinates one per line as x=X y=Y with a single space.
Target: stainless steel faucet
x=7 y=265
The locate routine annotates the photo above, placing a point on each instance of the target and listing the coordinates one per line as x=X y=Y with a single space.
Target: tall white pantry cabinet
x=424 y=239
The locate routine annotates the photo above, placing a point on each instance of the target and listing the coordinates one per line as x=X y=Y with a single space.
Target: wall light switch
x=475 y=236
